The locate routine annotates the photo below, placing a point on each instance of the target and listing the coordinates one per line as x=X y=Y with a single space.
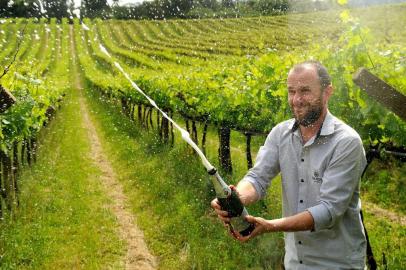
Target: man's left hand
x=261 y=226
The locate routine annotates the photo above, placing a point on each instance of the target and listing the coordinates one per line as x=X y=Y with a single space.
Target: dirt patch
x=383 y=213
x=138 y=256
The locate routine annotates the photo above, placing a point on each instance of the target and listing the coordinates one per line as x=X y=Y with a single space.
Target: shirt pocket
x=315 y=180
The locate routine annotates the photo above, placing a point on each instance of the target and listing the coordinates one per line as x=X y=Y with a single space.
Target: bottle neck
x=220 y=187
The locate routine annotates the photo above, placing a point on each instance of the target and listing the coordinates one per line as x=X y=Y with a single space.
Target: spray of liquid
x=185 y=135
x=227 y=197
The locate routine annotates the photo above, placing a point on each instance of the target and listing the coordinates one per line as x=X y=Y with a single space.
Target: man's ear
x=328 y=91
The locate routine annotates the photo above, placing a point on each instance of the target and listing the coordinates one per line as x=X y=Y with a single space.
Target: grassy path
x=137 y=256
x=62 y=221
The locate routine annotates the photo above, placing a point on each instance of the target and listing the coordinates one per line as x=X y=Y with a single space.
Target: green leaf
x=345 y=16
x=342 y=2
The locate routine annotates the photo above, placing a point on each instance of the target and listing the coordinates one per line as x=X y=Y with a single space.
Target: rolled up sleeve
x=266 y=165
x=340 y=181
x=321 y=216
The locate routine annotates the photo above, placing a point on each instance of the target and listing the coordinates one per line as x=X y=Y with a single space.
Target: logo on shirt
x=317 y=178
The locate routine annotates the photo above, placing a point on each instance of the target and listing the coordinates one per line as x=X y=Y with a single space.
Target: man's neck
x=311 y=130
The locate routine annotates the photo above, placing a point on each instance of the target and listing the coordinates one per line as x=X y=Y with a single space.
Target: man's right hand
x=222 y=215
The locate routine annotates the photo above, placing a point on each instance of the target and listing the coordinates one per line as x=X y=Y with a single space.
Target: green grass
x=170 y=193
x=62 y=222
x=387 y=239
x=385 y=184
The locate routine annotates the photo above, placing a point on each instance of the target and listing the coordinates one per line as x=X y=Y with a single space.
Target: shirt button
x=301 y=201
x=302 y=180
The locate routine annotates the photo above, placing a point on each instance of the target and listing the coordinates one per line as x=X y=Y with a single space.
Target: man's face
x=305 y=96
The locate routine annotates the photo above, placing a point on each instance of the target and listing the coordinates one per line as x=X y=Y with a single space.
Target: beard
x=312 y=114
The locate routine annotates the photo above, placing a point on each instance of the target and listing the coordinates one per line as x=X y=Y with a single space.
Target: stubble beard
x=311 y=116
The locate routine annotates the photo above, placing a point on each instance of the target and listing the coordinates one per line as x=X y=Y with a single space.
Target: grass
x=168 y=191
x=388 y=239
x=385 y=184
x=62 y=222
x=170 y=194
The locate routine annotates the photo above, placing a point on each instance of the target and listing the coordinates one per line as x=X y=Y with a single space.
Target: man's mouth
x=300 y=110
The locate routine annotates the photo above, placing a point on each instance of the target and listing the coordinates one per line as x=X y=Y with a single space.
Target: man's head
x=309 y=88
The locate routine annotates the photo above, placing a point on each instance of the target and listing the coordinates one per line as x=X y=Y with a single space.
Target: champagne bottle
x=230 y=202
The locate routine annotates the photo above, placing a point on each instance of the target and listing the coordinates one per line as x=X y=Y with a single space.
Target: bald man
x=320 y=160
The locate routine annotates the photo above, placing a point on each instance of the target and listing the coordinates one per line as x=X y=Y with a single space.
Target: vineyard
x=225 y=81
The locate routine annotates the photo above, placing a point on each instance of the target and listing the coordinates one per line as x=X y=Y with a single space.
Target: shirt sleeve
x=340 y=181
x=266 y=165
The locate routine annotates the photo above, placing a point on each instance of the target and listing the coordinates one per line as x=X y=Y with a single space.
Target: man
x=321 y=160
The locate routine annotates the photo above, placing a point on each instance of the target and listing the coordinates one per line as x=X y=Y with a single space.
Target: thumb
x=250 y=219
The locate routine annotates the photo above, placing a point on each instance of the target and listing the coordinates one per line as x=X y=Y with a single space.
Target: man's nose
x=297 y=99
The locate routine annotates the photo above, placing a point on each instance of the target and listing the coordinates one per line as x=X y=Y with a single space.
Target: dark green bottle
x=230 y=202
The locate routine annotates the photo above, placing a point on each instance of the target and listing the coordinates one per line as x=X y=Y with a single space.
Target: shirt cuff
x=321 y=216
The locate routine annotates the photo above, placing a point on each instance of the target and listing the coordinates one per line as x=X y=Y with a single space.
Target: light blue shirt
x=322 y=177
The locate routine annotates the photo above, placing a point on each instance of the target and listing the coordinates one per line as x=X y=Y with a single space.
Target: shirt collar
x=327 y=126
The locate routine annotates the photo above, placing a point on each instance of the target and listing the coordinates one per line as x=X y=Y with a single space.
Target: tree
x=55 y=8
x=93 y=8
x=3 y=8
x=20 y=8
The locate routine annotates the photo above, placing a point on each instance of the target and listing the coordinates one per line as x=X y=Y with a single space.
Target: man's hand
x=222 y=215
x=247 y=194
x=302 y=221
x=261 y=226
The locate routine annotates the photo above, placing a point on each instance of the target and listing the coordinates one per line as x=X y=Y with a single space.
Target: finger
x=253 y=234
x=232 y=232
x=215 y=204
x=251 y=219
x=224 y=218
x=257 y=231
x=222 y=213
x=241 y=238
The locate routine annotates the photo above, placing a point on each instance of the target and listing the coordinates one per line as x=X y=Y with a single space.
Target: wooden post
x=248 y=150
x=7 y=182
x=165 y=130
x=139 y=113
x=172 y=133
x=6 y=99
x=194 y=132
x=381 y=92
x=224 y=149
x=15 y=169
x=187 y=125
x=24 y=151
x=151 y=123
x=2 y=194
x=204 y=138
